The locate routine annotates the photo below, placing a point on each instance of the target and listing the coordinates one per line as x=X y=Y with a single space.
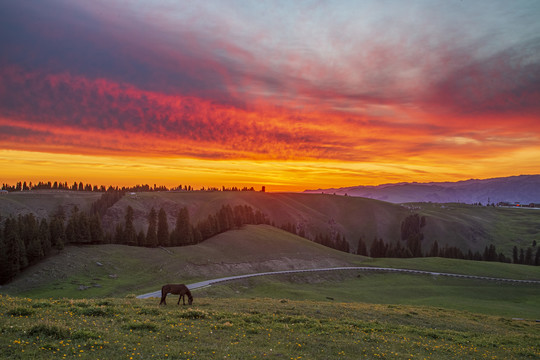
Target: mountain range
x=523 y=189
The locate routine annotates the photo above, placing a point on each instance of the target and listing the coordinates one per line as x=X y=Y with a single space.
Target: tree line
x=80 y=186
x=25 y=240
x=410 y=246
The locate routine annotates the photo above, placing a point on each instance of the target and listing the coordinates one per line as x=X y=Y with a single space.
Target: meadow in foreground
x=218 y=328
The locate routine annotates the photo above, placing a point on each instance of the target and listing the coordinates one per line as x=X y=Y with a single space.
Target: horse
x=176 y=289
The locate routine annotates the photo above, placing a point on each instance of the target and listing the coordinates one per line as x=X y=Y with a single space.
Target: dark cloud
x=507 y=82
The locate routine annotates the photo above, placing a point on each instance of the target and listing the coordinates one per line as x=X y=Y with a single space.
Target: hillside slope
x=45 y=203
x=314 y=214
x=108 y=270
x=465 y=226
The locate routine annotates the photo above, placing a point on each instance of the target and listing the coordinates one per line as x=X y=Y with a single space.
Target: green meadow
x=255 y=328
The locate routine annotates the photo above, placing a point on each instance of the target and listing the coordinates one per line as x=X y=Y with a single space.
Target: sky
x=291 y=95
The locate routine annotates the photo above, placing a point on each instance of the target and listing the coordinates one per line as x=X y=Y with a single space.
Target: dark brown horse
x=176 y=289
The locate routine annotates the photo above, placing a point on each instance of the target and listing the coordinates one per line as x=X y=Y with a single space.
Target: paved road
x=355 y=268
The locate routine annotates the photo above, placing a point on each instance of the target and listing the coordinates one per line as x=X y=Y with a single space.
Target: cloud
x=370 y=83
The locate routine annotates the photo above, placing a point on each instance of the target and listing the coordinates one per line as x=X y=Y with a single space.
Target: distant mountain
x=524 y=189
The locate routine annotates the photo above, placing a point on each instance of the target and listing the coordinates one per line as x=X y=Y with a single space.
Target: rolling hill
x=524 y=189
x=108 y=270
x=465 y=226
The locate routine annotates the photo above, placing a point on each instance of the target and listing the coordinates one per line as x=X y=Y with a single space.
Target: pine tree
x=183 y=231
x=515 y=256
x=162 y=229
x=58 y=235
x=96 y=231
x=29 y=232
x=151 y=233
x=529 y=257
x=130 y=236
x=434 y=251
x=361 y=249
x=4 y=260
x=45 y=237
x=14 y=250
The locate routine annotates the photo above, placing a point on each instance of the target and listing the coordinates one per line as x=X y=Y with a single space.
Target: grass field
x=216 y=328
x=485 y=297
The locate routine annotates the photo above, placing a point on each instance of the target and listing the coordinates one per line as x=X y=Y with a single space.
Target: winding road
x=206 y=283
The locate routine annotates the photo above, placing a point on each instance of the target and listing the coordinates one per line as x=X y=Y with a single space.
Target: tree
x=13 y=249
x=29 y=232
x=45 y=237
x=378 y=248
x=151 y=233
x=529 y=257
x=411 y=232
x=58 y=234
x=183 y=231
x=96 y=231
x=361 y=248
x=515 y=256
x=434 y=251
x=162 y=229
x=130 y=236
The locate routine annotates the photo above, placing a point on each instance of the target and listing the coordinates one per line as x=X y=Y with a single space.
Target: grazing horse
x=176 y=289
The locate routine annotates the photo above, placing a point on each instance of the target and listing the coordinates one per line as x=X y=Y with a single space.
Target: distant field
x=255 y=329
x=474 y=227
x=485 y=297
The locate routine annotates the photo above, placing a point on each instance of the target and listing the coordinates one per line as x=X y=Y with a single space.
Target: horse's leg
x=179 y=297
x=163 y=299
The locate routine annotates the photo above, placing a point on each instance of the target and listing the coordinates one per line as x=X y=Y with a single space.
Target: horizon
x=263 y=188
x=290 y=96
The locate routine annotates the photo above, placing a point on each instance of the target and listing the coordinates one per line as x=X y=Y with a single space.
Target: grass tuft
x=44 y=330
x=20 y=311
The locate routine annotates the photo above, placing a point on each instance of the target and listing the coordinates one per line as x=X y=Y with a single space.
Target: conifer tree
x=434 y=251
x=151 y=233
x=58 y=235
x=130 y=236
x=361 y=247
x=45 y=237
x=162 y=229
x=183 y=231
x=96 y=231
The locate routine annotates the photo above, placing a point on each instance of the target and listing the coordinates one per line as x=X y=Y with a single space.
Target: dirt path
x=205 y=283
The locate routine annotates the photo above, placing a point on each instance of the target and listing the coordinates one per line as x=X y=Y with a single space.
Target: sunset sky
x=292 y=95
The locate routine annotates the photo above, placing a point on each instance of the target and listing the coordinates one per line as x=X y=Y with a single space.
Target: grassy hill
x=474 y=227
x=461 y=225
x=45 y=203
x=109 y=270
x=464 y=226
x=316 y=214
x=116 y=270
